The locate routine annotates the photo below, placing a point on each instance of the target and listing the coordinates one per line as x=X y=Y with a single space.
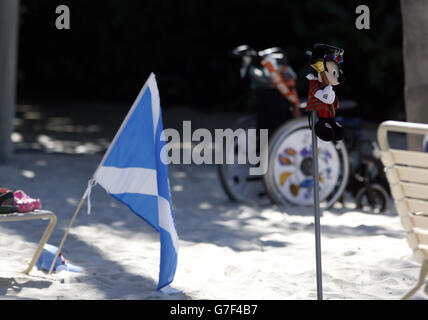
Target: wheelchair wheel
x=289 y=181
x=235 y=179
x=373 y=198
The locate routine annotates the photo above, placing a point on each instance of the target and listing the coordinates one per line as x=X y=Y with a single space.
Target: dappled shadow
x=100 y=272
x=88 y=128
x=15 y=285
x=346 y=231
x=111 y=277
x=340 y=209
x=72 y=128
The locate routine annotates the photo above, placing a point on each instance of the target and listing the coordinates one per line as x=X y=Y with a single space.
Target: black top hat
x=326 y=53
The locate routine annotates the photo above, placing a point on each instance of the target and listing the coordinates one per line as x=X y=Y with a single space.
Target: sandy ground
x=227 y=250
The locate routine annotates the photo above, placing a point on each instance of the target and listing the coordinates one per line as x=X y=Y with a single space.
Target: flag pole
x=66 y=234
x=316 y=206
x=91 y=184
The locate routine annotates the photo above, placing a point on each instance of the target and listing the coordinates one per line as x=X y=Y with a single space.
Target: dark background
x=113 y=46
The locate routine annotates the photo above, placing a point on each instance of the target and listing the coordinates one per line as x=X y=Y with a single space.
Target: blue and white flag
x=133 y=173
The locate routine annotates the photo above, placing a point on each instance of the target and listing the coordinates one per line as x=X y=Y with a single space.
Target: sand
x=227 y=250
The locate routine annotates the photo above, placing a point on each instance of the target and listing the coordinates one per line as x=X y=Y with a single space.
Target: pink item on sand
x=25 y=203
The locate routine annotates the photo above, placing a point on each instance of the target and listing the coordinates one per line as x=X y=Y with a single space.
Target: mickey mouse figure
x=326 y=61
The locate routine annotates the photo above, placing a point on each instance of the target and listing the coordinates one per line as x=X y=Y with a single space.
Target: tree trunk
x=8 y=58
x=415 y=53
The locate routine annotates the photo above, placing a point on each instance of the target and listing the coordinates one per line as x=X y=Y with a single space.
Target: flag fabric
x=132 y=171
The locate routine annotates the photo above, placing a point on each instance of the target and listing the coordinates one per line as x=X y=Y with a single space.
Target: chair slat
x=423 y=239
x=417 y=205
x=414 y=190
x=410 y=174
x=410 y=158
x=419 y=221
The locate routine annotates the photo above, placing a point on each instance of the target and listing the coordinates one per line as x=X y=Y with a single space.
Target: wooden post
x=415 y=33
x=8 y=61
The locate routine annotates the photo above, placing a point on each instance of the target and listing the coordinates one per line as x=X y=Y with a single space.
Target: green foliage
x=113 y=46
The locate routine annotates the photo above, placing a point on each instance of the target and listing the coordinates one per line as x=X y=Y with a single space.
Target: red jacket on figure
x=314 y=102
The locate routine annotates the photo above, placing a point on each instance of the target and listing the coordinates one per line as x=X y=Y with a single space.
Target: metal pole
x=316 y=206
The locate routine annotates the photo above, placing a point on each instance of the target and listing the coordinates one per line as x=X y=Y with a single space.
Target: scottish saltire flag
x=133 y=173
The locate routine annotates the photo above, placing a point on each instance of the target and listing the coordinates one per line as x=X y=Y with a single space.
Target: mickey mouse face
x=332 y=72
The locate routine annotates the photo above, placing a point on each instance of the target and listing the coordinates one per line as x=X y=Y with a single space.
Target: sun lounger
x=38 y=214
x=407 y=173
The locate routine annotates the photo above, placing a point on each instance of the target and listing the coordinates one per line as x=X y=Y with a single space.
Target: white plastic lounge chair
x=407 y=173
x=38 y=214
